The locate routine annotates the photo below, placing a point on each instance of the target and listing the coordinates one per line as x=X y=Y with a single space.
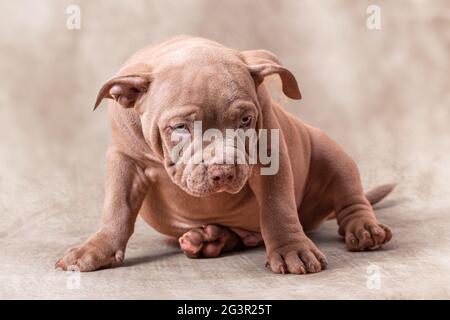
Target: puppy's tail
x=379 y=193
x=374 y=195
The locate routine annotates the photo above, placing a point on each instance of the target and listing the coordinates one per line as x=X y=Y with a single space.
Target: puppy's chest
x=171 y=211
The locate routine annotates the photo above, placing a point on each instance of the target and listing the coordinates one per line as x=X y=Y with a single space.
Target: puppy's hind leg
x=354 y=213
x=340 y=177
x=208 y=241
x=211 y=240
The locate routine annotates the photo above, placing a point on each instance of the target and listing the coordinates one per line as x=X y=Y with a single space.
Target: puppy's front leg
x=288 y=249
x=125 y=190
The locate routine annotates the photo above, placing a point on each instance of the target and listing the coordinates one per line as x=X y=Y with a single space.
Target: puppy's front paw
x=298 y=258
x=90 y=256
x=364 y=234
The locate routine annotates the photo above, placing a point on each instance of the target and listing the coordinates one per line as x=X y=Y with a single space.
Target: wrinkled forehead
x=202 y=81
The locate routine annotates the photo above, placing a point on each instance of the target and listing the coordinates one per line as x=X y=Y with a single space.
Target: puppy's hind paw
x=208 y=241
x=366 y=235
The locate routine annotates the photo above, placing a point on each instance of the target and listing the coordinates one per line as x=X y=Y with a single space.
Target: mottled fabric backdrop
x=382 y=94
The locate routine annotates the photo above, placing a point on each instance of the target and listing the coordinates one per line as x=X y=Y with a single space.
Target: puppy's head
x=199 y=110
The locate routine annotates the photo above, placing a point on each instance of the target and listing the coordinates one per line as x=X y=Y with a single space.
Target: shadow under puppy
x=213 y=206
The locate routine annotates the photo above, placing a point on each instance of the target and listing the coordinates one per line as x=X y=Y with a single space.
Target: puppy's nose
x=221 y=174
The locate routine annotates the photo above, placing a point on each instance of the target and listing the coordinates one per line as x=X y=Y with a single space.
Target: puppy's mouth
x=202 y=180
x=201 y=193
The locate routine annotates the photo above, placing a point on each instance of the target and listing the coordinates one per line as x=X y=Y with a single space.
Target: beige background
x=384 y=95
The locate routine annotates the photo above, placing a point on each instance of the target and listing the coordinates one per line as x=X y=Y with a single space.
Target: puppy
x=211 y=205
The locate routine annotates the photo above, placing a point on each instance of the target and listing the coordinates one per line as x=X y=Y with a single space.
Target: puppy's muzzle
x=221 y=176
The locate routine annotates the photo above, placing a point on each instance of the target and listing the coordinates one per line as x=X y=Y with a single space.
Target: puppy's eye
x=180 y=127
x=245 y=121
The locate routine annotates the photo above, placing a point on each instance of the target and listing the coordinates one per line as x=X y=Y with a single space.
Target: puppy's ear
x=127 y=88
x=262 y=63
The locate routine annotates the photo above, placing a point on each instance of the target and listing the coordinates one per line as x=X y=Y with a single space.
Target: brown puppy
x=212 y=206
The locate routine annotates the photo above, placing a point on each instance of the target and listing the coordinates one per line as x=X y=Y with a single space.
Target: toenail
x=73 y=267
x=119 y=256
